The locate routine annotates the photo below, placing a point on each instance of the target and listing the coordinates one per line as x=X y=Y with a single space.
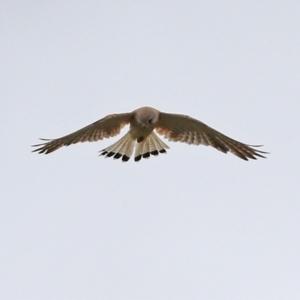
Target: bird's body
x=142 y=139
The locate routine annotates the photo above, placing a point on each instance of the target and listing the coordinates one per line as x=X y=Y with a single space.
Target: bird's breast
x=139 y=132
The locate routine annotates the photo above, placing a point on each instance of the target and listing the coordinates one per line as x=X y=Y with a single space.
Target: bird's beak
x=142 y=124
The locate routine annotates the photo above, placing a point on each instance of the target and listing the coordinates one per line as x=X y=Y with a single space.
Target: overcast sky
x=192 y=224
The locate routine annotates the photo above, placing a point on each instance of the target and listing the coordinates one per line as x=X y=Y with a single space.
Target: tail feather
x=139 y=150
x=159 y=145
x=152 y=145
x=122 y=148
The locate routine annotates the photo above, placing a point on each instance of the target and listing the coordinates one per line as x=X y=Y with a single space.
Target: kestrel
x=142 y=139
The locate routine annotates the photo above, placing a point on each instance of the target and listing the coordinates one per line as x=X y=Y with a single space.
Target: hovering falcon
x=142 y=140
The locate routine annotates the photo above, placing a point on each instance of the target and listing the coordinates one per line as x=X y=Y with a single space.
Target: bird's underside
x=142 y=140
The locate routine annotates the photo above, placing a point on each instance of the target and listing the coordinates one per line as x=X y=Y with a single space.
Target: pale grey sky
x=192 y=224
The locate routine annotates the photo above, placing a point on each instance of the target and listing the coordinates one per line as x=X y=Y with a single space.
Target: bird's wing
x=181 y=128
x=106 y=127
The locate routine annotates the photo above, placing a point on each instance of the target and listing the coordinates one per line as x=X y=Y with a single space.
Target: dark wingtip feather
x=43 y=148
x=258 y=153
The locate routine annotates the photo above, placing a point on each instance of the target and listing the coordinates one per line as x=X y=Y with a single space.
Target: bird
x=144 y=142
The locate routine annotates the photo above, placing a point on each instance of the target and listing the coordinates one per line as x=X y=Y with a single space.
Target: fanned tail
x=122 y=148
x=152 y=145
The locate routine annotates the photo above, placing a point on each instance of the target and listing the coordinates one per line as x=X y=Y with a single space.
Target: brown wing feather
x=106 y=127
x=181 y=128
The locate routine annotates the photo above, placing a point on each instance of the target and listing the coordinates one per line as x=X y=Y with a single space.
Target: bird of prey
x=142 y=140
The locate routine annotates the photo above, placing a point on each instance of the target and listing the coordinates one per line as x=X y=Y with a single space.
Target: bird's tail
x=152 y=145
x=124 y=147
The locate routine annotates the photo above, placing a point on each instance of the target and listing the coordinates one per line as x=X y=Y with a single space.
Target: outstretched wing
x=181 y=128
x=106 y=127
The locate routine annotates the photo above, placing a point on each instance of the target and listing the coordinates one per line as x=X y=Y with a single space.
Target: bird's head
x=147 y=116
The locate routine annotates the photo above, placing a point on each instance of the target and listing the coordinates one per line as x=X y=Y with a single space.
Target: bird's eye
x=150 y=121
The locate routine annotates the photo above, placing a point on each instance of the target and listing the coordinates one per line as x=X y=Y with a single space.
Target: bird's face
x=146 y=122
x=147 y=118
